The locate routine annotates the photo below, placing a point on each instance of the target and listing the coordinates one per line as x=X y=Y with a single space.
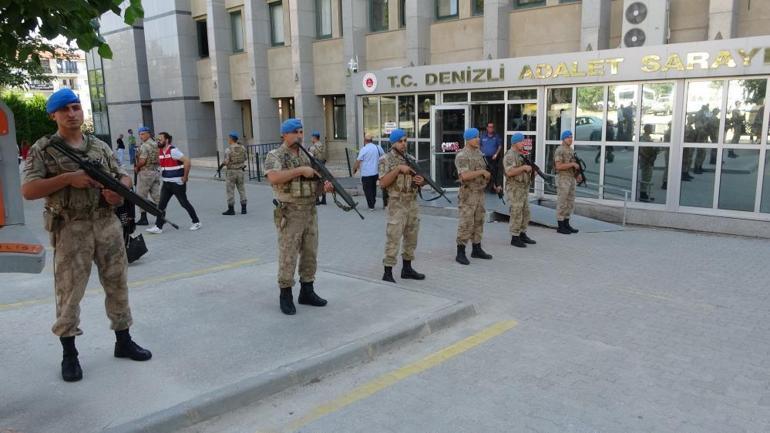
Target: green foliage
x=32 y=121
x=590 y=97
x=28 y=25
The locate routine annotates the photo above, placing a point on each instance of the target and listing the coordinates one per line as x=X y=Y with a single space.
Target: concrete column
x=226 y=111
x=307 y=105
x=595 y=25
x=722 y=15
x=354 y=28
x=419 y=17
x=264 y=110
x=496 y=29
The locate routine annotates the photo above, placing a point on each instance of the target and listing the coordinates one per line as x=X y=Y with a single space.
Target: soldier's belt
x=84 y=214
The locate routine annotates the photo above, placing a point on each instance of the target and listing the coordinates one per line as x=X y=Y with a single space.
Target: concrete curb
x=256 y=388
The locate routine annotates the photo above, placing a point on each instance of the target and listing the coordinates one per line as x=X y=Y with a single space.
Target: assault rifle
x=500 y=193
x=326 y=175
x=536 y=170
x=416 y=169
x=581 y=170
x=95 y=171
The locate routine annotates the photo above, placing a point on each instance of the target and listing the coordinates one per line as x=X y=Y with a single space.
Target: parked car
x=588 y=128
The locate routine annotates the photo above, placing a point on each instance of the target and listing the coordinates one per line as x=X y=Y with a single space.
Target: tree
x=32 y=121
x=28 y=26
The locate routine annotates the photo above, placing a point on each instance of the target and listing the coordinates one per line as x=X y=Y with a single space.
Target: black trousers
x=370 y=189
x=180 y=192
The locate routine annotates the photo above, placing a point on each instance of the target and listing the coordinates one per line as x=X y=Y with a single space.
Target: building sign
x=744 y=56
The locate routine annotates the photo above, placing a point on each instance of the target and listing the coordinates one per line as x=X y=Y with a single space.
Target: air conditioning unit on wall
x=645 y=22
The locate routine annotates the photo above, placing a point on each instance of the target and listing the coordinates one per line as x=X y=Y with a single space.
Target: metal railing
x=255 y=158
x=596 y=190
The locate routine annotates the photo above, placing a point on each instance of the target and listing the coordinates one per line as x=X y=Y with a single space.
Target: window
x=46 y=65
x=402 y=14
x=276 y=23
x=338 y=117
x=323 y=19
x=527 y=3
x=378 y=15
x=567 y=1
x=478 y=7
x=446 y=9
x=203 y=38
x=66 y=66
x=236 y=25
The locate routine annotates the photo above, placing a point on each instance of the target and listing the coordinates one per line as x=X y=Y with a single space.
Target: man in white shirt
x=368 y=161
x=174 y=170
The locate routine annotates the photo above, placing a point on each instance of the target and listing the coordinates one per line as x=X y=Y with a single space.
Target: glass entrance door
x=449 y=123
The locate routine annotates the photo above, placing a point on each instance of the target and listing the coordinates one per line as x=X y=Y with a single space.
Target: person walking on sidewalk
x=403 y=220
x=148 y=171
x=120 y=149
x=174 y=170
x=318 y=150
x=518 y=178
x=294 y=185
x=368 y=160
x=566 y=182
x=235 y=161
x=474 y=177
x=80 y=217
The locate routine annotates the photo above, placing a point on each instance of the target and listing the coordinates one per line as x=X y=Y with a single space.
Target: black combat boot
x=526 y=239
x=287 y=301
x=408 y=273
x=563 y=229
x=478 y=253
x=516 y=241
x=569 y=227
x=243 y=208
x=230 y=210
x=461 y=257
x=307 y=296
x=70 y=366
x=143 y=220
x=388 y=275
x=126 y=348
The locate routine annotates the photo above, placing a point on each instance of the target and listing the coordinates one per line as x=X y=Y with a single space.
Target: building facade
x=65 y=70
x=666 y=97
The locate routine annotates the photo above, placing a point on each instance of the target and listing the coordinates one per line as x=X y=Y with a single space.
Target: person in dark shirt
x=121 y=151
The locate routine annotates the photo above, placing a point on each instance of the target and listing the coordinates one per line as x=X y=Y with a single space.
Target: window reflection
x=621 y=112
x=522 y=117
x=765 y=204
x=745 y=106
x=698 y=189
x=549 y=168
x=738 y=182
x=590 y=113
x=703 y=101
x=652 y=173
x=587 y=154
x=388 y=115
x=618 y=171
x=657 y=111
x=406 y=114
x=559 y=112
x=371 y=115
x=424 y=102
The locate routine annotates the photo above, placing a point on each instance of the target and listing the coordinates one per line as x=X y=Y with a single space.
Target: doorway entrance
x=449 y=123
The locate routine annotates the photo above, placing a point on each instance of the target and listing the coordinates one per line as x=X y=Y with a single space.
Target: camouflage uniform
x=295 y=219
x=517 y=191
x=235 y=155
x=565 y=183
x=318 y=150
x=83 y=229
x=148 y=179
x=471 y=195
x=403 y=212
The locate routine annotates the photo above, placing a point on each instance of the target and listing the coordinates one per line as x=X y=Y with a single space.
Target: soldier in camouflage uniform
x=294 y=186
x=318 y=150
x=518 y=178
x=474 y=177
x=403 y=213
x=148 y=168
x=235 y=161
x=566 y=167
x=80 y=216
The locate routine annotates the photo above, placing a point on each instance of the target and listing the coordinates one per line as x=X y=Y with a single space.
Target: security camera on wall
x=353 y=65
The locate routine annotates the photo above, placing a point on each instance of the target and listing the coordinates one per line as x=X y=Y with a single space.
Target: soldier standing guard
x=80 y=216
x=403 y=213
x=474 y=177
x=519 y=177
x=294 y=186
x=148 y=168
x=235 y=161
x=566 y=167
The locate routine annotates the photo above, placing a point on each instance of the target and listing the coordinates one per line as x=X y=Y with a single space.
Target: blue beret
x=143 y=129
x=566 y=134
x=517 y=137
x=291 y=125
x=233 y=135
x=60 y=99
x=471 y=133
x=397 y=134
x=316 y=134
